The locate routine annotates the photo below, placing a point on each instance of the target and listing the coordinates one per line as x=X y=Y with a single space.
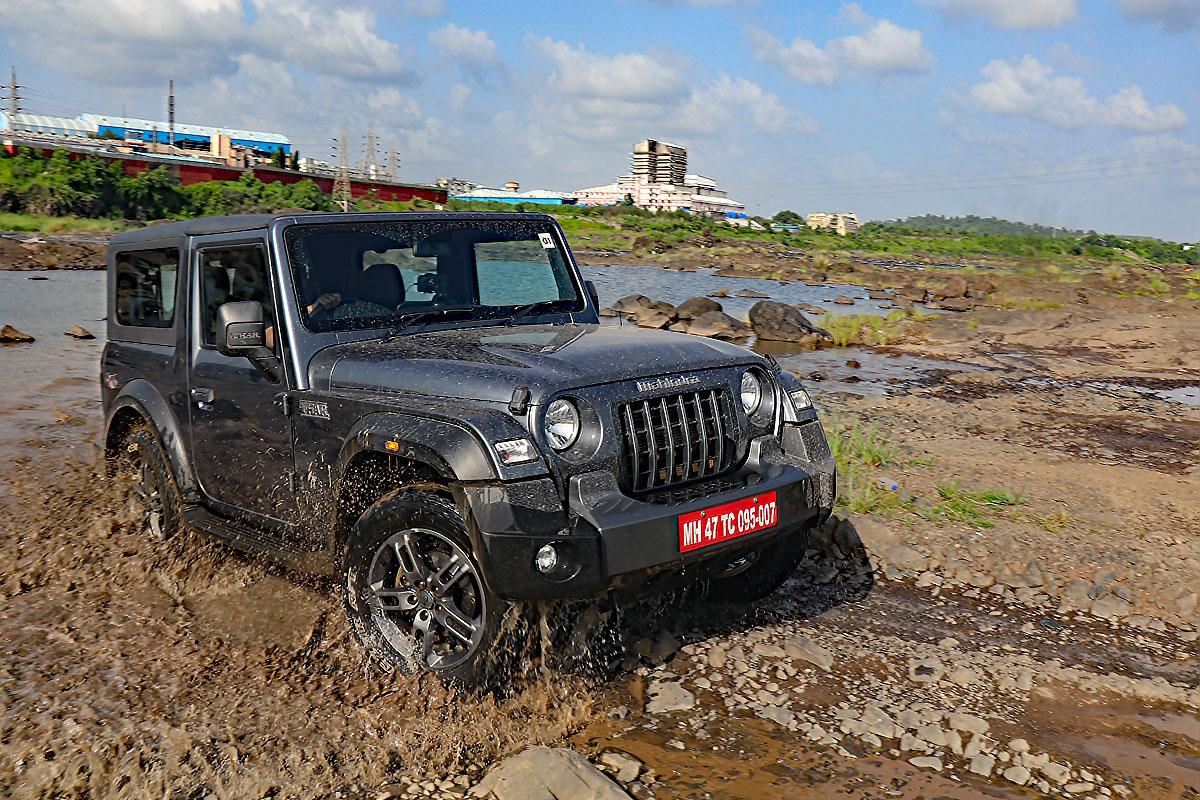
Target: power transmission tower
x=341 y=184
x=369 y=156
x=14 y=92
x=171 y=114
x=394 y=164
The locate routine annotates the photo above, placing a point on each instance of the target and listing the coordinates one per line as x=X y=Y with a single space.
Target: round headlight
x=562 y=424
x=751 y=392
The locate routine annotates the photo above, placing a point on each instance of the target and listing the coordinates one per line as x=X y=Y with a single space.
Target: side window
x=228 y=275
x=145 y=291
x=518 y=272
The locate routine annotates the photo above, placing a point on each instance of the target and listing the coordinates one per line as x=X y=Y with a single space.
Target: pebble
x=982 y=764
x=805 y=649
x=669 y=696
x=625 y=767
x=1018 y=775
x=969 y=723
x=927 y=762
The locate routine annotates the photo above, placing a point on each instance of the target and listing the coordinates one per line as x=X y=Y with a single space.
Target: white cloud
x=626 y=77
x=802 y=60
x=731 y=101
x=425 y=9
x=1170 y=15
x=883 y=48
x=1012 y=14
x=460 y=96
x=465 y=46
x=1029 y=88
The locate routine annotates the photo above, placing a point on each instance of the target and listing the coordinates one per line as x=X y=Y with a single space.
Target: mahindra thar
x=427 y=406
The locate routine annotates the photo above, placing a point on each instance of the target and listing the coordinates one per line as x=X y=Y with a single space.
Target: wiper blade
x=541 y=305
x=408 y=320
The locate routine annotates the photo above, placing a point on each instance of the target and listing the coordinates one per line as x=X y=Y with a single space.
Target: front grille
x=676 y=439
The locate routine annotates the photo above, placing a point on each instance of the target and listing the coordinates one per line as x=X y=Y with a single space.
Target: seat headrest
x=381 y=284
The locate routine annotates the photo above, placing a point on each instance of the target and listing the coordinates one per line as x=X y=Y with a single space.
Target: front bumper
x=609 y=541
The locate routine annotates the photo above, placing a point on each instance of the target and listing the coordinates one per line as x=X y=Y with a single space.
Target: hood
x=488 y=363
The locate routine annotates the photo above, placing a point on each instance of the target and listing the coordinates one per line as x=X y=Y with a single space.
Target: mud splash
x=182 y=669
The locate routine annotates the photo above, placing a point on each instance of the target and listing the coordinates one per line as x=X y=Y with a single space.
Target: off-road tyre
x=400 y=589
x=772 y=565
x=153 y=488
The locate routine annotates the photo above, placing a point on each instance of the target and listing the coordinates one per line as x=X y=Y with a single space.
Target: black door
x=241 y=440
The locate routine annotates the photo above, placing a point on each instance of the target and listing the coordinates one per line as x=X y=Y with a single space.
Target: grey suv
x=427 y=406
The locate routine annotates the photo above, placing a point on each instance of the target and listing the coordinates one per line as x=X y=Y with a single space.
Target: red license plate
x=721 y=523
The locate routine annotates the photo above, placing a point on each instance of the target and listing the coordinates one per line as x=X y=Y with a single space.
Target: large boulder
x=631 y=303
x=955 y=287
x=718 y=325
x=545 y=773
x=780 y=322
x=695 y=306
x=656 y=314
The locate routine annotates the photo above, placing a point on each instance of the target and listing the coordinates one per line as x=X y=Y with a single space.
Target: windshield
x=361 y=275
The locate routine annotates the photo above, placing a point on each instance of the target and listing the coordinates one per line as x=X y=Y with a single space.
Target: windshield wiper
x=408 y=320
x=541 y=305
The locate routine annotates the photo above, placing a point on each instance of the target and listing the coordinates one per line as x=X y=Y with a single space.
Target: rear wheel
x=152 y=488
x=414 y=593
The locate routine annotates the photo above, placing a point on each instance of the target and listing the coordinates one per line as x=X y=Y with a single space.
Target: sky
x=1078 y=113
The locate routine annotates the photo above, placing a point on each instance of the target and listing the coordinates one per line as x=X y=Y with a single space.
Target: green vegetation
x=36 y=187
x=858 y=451
x=36 y=223
x=864 y=329
x=968 y=507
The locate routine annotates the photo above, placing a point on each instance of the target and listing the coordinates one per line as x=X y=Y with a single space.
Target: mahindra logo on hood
x=677 y=382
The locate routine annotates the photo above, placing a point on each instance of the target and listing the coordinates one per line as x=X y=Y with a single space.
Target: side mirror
x=240 y=330
x=592 y=293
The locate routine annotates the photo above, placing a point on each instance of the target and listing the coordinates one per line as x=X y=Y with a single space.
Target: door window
x=229 y=275
x=146 y=287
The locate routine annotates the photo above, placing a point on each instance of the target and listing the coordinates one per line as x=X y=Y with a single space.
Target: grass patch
x=1055 y=521
x=858 y=451
x=968 y=507
x=865 y=329
x=863 y=446
x=37 y=223
x=1027 y=304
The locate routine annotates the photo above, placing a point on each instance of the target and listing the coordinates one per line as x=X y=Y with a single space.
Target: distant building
x=659 y=181
x=509 y=194
x=149 y=134
x=840 y=222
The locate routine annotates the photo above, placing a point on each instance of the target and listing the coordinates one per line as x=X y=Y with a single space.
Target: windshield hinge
x=293 y=481
x=283 y=401
x=519 y=403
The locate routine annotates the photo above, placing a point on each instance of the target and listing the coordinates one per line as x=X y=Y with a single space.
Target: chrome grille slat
x=662 y=437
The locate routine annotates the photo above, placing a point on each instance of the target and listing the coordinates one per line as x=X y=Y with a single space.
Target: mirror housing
x=592 y=293
x=240 y=330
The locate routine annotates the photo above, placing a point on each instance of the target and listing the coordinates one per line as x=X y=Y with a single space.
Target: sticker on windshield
x=547 y=240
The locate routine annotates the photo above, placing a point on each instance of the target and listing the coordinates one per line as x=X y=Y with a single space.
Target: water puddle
x=1172 y=391
x=860 y=371
x=1181 y=724
x=1125 y=756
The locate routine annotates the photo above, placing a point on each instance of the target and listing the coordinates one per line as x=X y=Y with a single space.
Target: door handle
x=204 y=397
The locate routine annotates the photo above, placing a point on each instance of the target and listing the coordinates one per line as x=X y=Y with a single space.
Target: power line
x=14 y=92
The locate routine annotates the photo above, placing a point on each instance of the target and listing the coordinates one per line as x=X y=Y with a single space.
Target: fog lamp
x=800 y=399
x=546 y=559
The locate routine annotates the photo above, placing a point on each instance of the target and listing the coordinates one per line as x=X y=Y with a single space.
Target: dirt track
x=134 y=668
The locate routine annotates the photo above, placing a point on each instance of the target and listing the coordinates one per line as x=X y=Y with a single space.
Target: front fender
x=140 y=396
x=458 y=450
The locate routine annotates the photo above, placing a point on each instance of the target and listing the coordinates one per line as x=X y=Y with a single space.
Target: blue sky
x=1080 y=113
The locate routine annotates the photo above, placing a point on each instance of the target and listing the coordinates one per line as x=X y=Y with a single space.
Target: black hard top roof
x=249 y=222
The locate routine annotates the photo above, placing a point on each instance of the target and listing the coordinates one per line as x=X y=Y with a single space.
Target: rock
x=964 y=676
x=956 y=304
x=853 y=363
x=718 y=325
x=631 y=303
x=982 y=764
x=783 y=323
x=968 y=723
x=842 y=300
x=657 y=314
x=664 y=647
x=716 y=657
x=1110 y=606
x=1031 y=577
x=722 y=292
x=981 y=286
x=695 y=306
x=1079 y=594
x=1019 y=746
x=913 y=293
x=784 y=716
x=545 y=773
x=802 y=648
x=10 y=335
x=767 y=650
x=926 y=670
x=879 y=294
x=668 y=696
x=750 y=293
x=927 y=762
x=955 y=287
x=1017 y=774
x=79 y=332
x=607 y=312
x=906 y=556
x=625 y=767
x=1057 y=773
x=1079 y=787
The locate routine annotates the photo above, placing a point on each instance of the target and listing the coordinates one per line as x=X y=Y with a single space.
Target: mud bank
x=51 y=251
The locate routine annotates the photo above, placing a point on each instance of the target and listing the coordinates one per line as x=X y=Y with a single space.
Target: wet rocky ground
x=1005 y=605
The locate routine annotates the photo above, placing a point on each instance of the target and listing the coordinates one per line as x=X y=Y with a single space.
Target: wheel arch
x=140 y=403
